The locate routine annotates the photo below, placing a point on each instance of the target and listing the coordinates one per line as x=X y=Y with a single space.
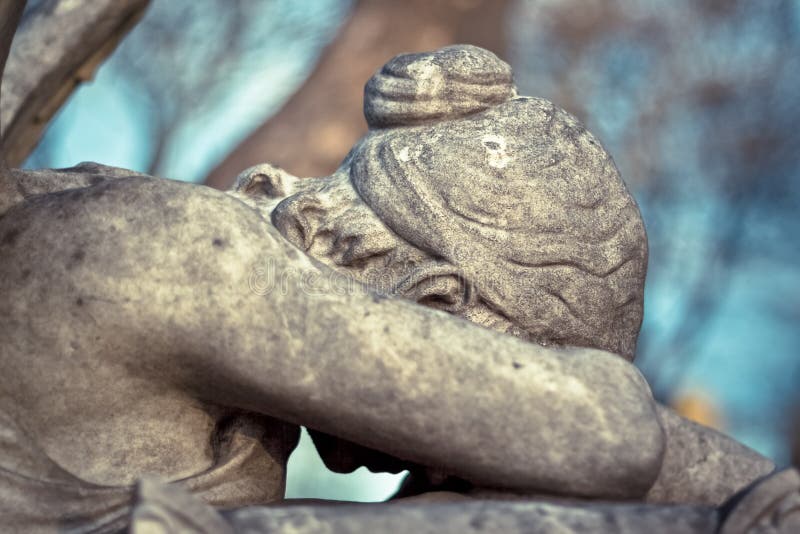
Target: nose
x=297 y=218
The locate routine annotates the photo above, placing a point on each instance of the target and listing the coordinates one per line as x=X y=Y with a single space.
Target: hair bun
x=448 y=83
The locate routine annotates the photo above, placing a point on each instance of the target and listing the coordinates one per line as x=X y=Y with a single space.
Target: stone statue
x=462 y=298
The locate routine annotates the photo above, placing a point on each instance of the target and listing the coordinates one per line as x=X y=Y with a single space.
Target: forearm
x=702 y=465
x=436 y=390
x=422 y=385
x=170 y=281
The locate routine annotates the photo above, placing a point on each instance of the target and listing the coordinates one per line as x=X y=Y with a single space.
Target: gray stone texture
x=446 y=84
x=530 y=208
x=477 y=516
x=771 y=506
x=696 y=453
x=462 y=297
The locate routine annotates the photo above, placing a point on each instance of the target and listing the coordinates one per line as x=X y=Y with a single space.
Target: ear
x=440 y=285
x=265 y=180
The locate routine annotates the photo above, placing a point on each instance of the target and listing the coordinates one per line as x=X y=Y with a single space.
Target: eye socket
x=439 y=302
x=446 y=291
x=358 y=250
x=441 y=292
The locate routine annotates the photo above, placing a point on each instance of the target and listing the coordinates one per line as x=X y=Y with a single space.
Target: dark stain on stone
x=477 y=522
x=218 y=242
x=25 y=274
x=96 y=192
x=79 y=301
x=377 y=297
x=76 y=258
x=292 y=253
x=516 y=365
x=10 y=237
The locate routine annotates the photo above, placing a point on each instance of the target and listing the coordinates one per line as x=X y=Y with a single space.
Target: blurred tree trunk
x=315 y=129
x=10 y=13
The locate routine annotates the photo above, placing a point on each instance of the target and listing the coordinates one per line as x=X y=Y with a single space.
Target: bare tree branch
x=206 y=65
x=322 y=120
x=59 y=44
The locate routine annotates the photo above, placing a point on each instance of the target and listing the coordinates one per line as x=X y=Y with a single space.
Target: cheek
x=384 y=271
x=491 y=319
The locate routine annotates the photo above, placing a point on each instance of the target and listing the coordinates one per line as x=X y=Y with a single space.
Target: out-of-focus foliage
x=197 y=75
x=698 y=102
x=699 y=408
x=185 y=56
x=318 y=125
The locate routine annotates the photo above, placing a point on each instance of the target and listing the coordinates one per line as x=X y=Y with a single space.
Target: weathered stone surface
x=702 y=465
x=478 y=516
x=771 y=507
x=158 y=328
x=531 y=210
x=451 y=82
x=162 y=508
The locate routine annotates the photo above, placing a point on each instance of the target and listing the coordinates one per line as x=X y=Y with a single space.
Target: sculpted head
x=468 y=198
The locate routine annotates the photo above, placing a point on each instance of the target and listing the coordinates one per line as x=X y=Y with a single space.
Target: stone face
x=461 y=297
x=530 y=208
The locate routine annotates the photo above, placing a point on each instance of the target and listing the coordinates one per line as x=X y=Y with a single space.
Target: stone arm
x=16 y=185
x=700 y=466
x=172 y=279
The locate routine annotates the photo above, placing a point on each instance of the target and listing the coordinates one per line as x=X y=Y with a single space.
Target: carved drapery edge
x=771 y=505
